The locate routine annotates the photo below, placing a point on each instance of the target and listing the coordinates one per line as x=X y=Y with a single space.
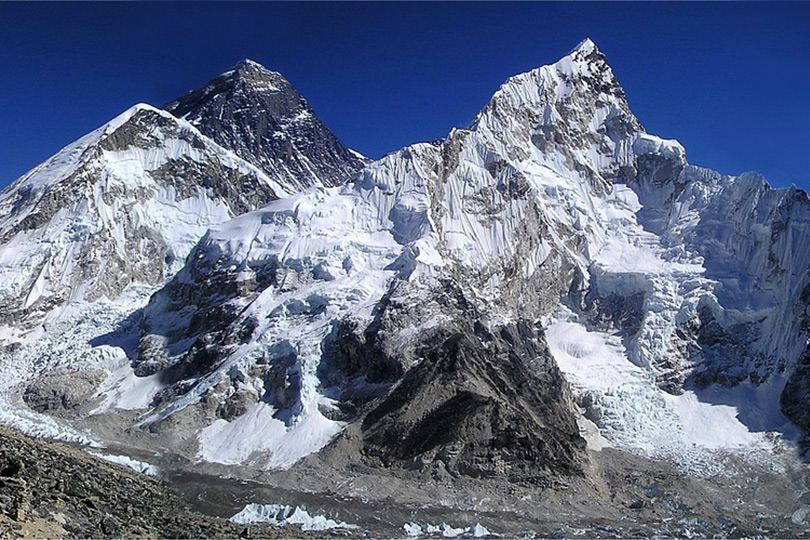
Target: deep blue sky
x=731 y=81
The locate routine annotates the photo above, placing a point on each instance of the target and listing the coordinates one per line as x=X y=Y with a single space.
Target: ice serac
x=256 y=113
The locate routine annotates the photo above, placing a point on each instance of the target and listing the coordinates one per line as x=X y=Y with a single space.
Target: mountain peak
x=582 y=77
x=247 y=63
x=260 y=116
x=253 y=72
x=585 y=47
x=584 y=60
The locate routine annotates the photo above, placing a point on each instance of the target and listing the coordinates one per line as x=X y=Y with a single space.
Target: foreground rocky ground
x=50 y=490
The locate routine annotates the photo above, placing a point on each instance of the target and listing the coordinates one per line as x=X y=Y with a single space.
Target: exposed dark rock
x=62 y=392
x=257 y=114
x=350 y=354
x=613 y=311
x=726 y=356
x=796 y=394
x=484 y=405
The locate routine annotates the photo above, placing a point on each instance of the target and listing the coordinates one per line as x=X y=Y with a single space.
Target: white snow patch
x=40 y=426
x=668 y=148
x=138 y=466
x=124 y=390
x=257 y=430
x=446 y=531
x=281 y=515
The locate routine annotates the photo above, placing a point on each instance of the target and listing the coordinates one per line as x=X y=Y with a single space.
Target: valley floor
x=625 y=496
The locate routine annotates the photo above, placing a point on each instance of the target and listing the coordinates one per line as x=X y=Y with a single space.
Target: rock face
x=62 y=393
x=796 y=394
x=481 y=404
x=260 y=116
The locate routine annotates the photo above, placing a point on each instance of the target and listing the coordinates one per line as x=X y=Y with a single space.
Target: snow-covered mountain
x=480 y=303
x=667 y=293
x=88 y=235
x=125 y=203
x=256 y=113
x=122 y=205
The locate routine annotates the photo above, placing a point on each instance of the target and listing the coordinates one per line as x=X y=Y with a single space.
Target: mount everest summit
x=245 y=291
x=259 y=116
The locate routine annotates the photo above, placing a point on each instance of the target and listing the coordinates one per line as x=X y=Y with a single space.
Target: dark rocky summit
x=257 y=114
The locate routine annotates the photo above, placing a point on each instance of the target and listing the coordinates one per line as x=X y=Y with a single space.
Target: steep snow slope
x=122 y=205
x=87 y=236
x=256 y=113
x=748 y=322
x=555 y=194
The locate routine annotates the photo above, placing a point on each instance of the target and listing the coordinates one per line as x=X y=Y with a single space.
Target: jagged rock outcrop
x=256 y=113
x=481 y=404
